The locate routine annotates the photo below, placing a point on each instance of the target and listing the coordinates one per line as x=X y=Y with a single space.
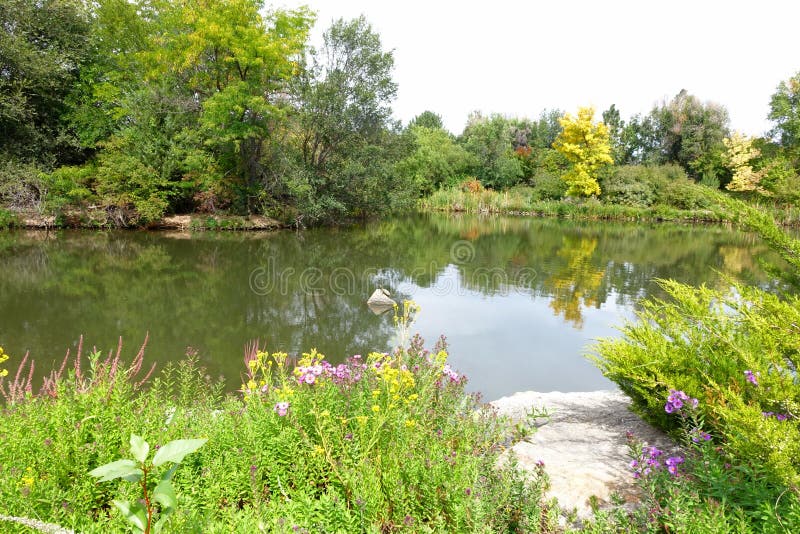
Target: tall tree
x=691 y=133
x=237 y=60
x=785 y=112
x=491 y=141
x=347 y=140
x=427 y=119
x=42 y=47
x=586 y=145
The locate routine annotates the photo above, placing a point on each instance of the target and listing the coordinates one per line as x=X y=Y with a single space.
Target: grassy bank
x=382 y=443
x=524 y=201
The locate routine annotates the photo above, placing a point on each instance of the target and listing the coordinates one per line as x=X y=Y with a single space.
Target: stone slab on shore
x=584 y=444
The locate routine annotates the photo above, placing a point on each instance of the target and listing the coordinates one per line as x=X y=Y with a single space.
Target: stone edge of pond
x=583 y=445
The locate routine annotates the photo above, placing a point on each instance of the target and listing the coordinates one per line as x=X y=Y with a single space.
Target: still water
x=520 y=300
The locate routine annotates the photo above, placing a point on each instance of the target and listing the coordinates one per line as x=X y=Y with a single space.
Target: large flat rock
x=584 y=445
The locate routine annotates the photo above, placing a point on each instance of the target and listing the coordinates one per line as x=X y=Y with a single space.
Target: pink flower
x=281 y=408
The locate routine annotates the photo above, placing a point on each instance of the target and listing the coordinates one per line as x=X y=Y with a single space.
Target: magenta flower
x=281 y=408
x=676 y=400
x=751 y=377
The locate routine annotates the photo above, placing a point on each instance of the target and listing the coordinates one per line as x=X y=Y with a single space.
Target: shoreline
x=583 y=445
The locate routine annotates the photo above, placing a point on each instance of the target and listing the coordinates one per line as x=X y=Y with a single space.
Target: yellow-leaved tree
x=586 y=145
x=739 y=155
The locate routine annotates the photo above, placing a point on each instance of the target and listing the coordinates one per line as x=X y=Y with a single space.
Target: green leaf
x=134 y=514
x=164 y=494
x=139 y=447
x=160 y=523
x=175 y=451
x=169 y=472
x=118 y=469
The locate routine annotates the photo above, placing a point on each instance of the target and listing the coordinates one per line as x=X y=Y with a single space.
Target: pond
x=519 y=299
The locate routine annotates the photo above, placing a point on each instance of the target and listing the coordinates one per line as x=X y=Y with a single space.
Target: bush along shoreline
x=380 y=443
x=632 y=193
x=717 y=368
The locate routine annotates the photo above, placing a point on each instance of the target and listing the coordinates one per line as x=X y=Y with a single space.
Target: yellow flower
x=28 y=479
x=325 y=413
x=343 y=420
x=410 y=423
x=362 y=419
x=251 y=384
x=376 y=408
x=318 y=450
x=376 y=392
x=413 y=397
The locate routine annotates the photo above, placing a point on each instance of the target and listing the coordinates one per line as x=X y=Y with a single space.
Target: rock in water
x=380 y=302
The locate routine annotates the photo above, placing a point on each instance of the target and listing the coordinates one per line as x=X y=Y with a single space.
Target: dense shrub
x=547 y=186
x=711 y=344
x=629 y=185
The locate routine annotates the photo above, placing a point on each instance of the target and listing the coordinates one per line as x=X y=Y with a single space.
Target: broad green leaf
x=169 y=472
x=118 y=469
x=175 y=451
x=134 y=514
x=164 y=494
x=139 y=447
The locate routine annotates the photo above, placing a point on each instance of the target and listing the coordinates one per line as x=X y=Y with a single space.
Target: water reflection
x=518 y=298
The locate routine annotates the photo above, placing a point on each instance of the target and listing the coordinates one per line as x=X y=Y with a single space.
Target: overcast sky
x=518 y=58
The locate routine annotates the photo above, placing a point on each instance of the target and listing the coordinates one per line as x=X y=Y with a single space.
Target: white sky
x=518 y=58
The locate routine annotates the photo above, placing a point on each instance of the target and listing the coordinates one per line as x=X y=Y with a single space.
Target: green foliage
x=386 y=442
x=490 y=141
x=42 y=47
x=690 y=133
x=785 y=112
x=346 y=141
x=142 y=514
x=547 y=186
x=427 y=119
x=436 y=162
x=629 y=185
x=702 y=341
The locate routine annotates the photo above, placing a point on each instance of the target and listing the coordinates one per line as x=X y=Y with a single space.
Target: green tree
x=436 y=161
x=785 y=112
x=346 y=139
x=586 y=145
x=690 y=133
x=237 y=61
x=42 y=47
x=427 y=119
x=491 y=141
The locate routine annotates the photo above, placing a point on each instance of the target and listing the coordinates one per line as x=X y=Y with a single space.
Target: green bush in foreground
x=736 y=351
x=382 y=443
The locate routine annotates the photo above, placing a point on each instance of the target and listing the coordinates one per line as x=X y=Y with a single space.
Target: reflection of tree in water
x=575 y=282
x=197 y=291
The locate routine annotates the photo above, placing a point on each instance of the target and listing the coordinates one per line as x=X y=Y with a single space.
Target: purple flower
x=281 y=408
x=781 y=417
x=698 y=435
x=447 y=371
x=751 y=377
x=672 y=464
x=676 y=400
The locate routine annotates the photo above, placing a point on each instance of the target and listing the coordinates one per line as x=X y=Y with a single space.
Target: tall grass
x=382 y=443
